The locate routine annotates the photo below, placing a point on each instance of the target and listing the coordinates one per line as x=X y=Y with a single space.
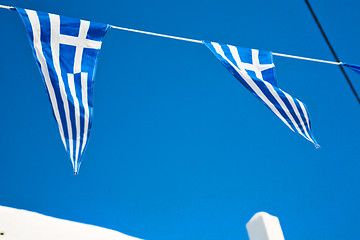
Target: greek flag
x=66 y=51
x=354 y=67
x=255 y=70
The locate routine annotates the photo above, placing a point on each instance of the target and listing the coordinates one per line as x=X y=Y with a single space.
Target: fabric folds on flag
x=354 y=67
x=66 y=51
x=255 y=70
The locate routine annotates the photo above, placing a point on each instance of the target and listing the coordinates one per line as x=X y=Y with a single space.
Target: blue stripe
x=45 y=42
x=291 y=110
x=272 y=99
x=302 y=115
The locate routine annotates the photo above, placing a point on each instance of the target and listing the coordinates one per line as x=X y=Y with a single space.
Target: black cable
x=332 y=50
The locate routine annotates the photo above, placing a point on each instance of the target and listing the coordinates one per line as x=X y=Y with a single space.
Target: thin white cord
x=6 y=7
x=157 y=34
x=305 y=58
x=198 y=41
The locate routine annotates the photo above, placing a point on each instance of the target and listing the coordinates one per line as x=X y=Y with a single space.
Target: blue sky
x=179 y=149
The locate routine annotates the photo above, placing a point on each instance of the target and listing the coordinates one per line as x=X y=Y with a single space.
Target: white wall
x=263 y=226
x=18 y=224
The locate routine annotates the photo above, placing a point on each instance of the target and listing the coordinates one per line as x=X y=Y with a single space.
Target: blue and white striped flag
x=66 y=51
x=255 y=70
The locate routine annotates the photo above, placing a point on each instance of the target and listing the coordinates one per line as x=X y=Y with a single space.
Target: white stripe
x=250 y=82
x=77 y=113
x=76 y=167
x=55 y=49
x=77 y=41
x=284 y=107
x=291 y=100
x=84 y=93
x=35 y=25
x=305 y=113
x=258 y=68
x=84 y=27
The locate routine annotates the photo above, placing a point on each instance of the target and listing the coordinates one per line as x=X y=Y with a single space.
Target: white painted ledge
x=263 y=226
x=18 y=224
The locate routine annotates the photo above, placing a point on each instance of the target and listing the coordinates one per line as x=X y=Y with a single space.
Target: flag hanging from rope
x=354 y=67
x=255 y=70
x=66 y=51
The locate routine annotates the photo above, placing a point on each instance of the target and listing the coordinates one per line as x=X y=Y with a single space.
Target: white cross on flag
x=255 y=70
x=66 y=51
